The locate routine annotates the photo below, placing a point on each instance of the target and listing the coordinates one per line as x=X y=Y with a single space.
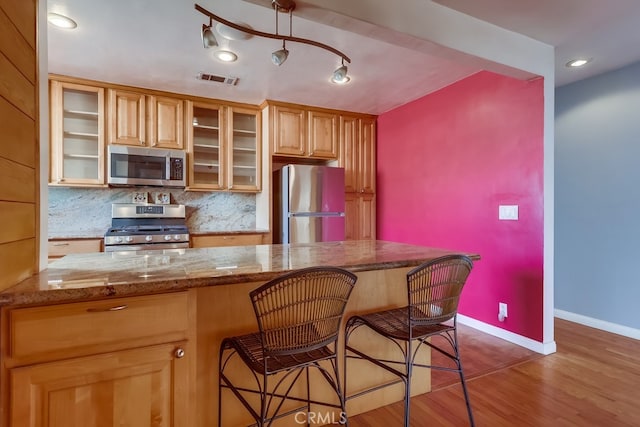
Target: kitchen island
x=149 y=325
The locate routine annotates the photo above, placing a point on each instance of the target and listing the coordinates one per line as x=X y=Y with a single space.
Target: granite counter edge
x=114 y=290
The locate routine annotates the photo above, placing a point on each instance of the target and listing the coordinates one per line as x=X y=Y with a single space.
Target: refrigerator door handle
x=308 y=214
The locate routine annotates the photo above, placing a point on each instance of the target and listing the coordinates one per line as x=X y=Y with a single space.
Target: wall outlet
x=502 y=311
x=508 y=212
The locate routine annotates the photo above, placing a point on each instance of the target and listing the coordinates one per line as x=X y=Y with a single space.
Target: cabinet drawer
x=60 y=248
x=81 y=326
x=226 y=240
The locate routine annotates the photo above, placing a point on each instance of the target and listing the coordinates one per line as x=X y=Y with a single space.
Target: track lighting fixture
x=280 y=56
x=340 y=75
x=208 y=38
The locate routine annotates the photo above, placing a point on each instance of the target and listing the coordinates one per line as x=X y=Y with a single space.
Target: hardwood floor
x=592 y=380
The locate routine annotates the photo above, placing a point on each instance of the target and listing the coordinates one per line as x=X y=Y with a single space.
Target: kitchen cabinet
x=140 y=119
x=297 y=131
x=244 y=149
x=204 y=145
x=288 y=130
x=322 y=134
x=77 y=135
x=360 y=216
x=216 y=240
x=357 y=138
x=223 y=144
x=135 y=371
x=57 y=248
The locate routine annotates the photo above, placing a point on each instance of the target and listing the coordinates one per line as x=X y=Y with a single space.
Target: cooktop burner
x=133 y=224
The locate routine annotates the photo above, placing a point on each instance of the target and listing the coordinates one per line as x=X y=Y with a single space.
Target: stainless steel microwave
x=128 y=165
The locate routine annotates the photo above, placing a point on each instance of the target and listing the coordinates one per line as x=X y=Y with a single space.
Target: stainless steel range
x=141 y=227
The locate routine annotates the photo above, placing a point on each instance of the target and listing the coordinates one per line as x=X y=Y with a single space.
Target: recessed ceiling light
x=225 y=55
x=579 y=62
x=61 y=21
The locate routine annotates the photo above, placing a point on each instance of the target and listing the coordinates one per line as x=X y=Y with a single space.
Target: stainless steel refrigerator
x=308 y=204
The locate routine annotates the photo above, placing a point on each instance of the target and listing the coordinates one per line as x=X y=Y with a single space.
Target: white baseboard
x=538 y=347
x=598 y=324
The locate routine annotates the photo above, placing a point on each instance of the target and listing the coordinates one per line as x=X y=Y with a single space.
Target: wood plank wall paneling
x=17 y=182
x=16 y=48
x=17 y=262
x=16 y=88
x=23 y=14
x=19 y=163
x=22 y=130
x=22 y=217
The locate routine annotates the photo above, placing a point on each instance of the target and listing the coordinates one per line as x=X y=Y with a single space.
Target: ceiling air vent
x=219 y=79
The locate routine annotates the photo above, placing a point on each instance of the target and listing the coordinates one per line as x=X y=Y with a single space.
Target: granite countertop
x=99 y=234
x=106 y=274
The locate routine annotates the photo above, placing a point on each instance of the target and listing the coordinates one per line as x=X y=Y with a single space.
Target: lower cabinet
x=118 y=361
x=360 y=216
x=138 y=387
x=214 y=240
x=60 y=247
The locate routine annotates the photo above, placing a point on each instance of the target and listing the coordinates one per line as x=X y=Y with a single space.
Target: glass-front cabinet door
x=244 y=149
x=205 y=146
x=77 y=135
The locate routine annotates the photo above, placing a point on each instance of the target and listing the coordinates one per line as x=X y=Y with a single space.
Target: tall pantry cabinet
x=358 y=157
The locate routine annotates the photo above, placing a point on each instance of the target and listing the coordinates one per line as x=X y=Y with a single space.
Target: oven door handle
x=101 y=309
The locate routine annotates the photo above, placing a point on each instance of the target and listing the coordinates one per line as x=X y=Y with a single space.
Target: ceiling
x=157 y=45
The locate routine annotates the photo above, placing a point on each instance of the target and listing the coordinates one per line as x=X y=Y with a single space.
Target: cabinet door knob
x=179 y=353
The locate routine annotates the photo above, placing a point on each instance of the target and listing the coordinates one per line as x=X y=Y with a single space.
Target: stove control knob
x=118 y=239
x=128 y=239
x=148 y=238
x=176 y=237
x=167 y=237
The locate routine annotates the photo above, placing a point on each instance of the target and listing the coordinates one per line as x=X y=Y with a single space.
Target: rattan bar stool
x=299 y=316
x=433 y=290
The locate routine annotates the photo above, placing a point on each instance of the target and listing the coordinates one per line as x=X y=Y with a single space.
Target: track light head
x=340 y=75
x=279 y=56
x=208 y=38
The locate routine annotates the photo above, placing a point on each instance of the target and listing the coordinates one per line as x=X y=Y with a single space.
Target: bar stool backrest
x=434 y=288
x=301 y=311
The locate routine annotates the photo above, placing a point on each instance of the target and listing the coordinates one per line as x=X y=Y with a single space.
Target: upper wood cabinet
x=145 y=120
x=165 y=122
x=77 y=134
x=223 y=144
x=367 y=155
x=244 y=152
x=322 y=134
x=127 y=118
x=358 y=158
x=288 y=130
x=299 y=131
x=205 y=135
x=358 y=155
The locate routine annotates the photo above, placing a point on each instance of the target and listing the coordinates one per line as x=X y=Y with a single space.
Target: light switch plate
x=508 y=212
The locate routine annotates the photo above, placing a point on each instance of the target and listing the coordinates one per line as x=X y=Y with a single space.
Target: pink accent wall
x=445 y=163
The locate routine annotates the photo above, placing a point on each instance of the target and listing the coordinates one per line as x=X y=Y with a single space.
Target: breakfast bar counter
x=99 y=275
x=149 y=325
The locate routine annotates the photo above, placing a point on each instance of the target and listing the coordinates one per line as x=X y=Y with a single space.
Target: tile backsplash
x=86 y=212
